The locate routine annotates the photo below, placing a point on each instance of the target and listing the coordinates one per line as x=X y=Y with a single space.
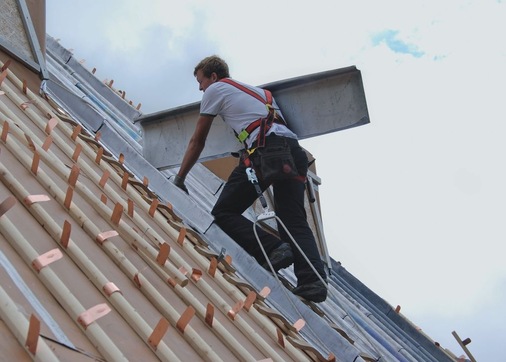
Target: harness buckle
x=243 y=135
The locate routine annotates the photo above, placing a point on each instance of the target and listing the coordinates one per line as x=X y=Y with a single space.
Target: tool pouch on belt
x=274 y=161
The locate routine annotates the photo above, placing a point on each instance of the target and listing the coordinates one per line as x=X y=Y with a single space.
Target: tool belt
x=273 y=161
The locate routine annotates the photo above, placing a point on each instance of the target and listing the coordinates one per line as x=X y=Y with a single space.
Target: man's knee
x=219 y=215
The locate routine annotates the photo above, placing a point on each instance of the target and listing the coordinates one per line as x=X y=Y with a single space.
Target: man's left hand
x=179 y=182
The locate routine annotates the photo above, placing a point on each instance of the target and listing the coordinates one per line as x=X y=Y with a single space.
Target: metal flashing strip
x=84 y=76
x=9 y=49
x=34 y=301
x=74 y=105
x=32 y=38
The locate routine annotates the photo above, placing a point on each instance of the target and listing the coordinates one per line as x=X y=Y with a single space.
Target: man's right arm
x=194 y=149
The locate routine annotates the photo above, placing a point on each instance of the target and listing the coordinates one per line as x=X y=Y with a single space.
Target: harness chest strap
x=263 y=123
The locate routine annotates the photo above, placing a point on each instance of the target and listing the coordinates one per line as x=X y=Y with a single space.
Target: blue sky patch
x=390 y=38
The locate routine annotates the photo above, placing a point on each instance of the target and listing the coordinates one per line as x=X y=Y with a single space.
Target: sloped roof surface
x=103 y=258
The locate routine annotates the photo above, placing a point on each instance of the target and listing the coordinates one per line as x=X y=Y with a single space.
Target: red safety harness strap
x=264 y=123
x=268 y=94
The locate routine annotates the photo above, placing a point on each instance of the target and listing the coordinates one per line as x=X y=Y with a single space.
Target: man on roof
x=258 y=123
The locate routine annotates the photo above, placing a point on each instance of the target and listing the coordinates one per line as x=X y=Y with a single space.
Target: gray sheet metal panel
x=33 y=40
x=166 y=135
x=60 y=53
x=85 y=76
x=77 y=107
x=189 y=210
x=420 y=345
x=322 y=103
x=312 y=105
x=407 y=346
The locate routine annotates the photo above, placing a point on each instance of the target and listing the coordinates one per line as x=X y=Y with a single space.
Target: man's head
x=210 y=70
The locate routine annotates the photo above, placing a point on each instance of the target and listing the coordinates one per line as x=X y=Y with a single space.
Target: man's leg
x=237 y=195
x=290 y=208
x=289 y=203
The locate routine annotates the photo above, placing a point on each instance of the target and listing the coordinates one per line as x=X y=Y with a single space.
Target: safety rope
x=266 y=215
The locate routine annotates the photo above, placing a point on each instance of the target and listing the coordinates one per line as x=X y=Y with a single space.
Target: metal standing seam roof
x=96 y=265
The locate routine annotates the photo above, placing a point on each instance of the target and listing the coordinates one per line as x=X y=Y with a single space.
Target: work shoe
x=314 y=292
x=281 y=257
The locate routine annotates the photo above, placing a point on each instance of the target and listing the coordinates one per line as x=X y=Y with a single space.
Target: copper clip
x=35 y=163
x=124 y=181
x=104 y=178
x=250 y=299
x=47 y=258
x=116 y=214
x=68 y=197
x=105 y=236
x=5 y=130
x=185 y=318
x=100 y=153
x=32 y=337
x=158 y=333
x=110 y=288
x=163 y=254
x=265 y=292
x=92 y=314
x=74 y=174
x=212 y=266
x=47 y=143
x=196 y=274
x=181 y=236
x=31 y=199
x=299 y=324
x=51 y=124
x=77 y=152
x=75 y=132
x=152 y=208
x=7 y=204
x=237 y=307
x=65 y=234
x=130 y=205
x=209 y=314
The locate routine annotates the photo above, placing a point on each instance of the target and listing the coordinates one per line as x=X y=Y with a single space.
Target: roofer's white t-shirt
x=238 y=109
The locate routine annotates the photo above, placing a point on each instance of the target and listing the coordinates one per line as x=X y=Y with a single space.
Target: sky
x=413 y=203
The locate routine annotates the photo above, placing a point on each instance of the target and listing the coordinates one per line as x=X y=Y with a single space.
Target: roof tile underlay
x=62 y=141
